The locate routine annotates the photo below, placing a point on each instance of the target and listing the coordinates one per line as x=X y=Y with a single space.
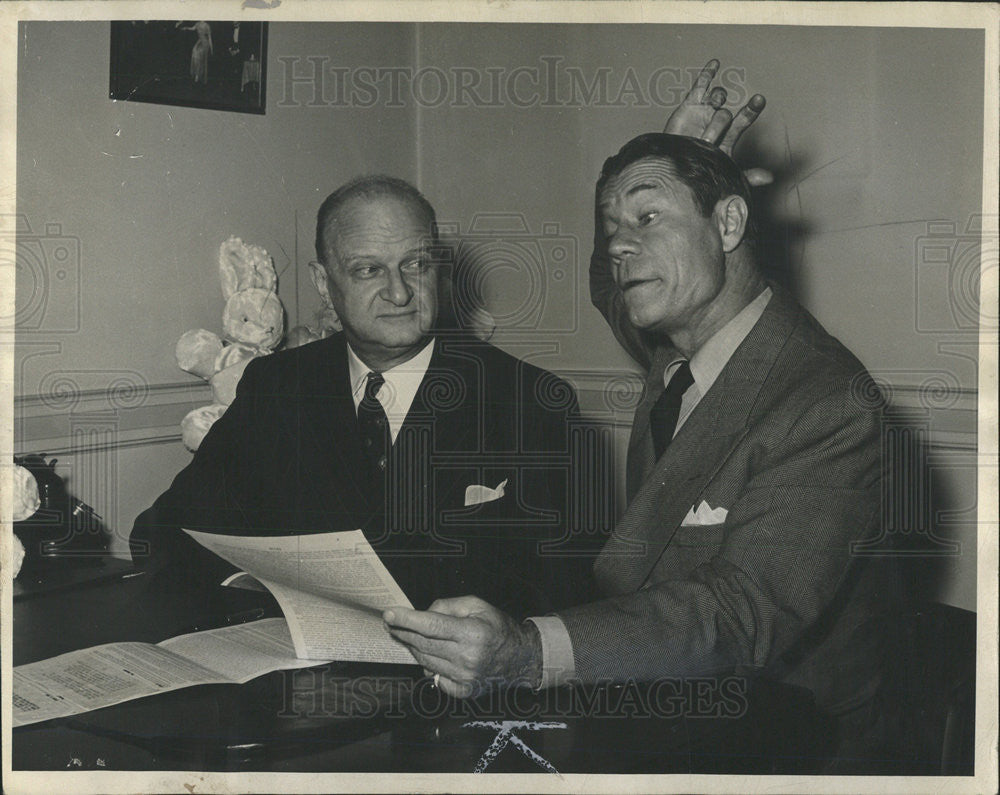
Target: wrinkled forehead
x=384 y=221
x=648 y=173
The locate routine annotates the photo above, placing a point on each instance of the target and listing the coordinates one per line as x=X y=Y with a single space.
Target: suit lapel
x=331 y=442
x=699 y=450
x=641 y=458
x=663 y=500
x=436 y=445
x=447 y=414
x=449 y=396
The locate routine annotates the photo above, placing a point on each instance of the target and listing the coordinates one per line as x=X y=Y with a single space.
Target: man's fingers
x=717 y=127
x=460 y=607
x=425 y=622
x=717 y=97
x=721 y=128
x=445 y=668
x=746 y=116
x=419 y=642
x=702 y=82
x=758 y=177
x=456 y=689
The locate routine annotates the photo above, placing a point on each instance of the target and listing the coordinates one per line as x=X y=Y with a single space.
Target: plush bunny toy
x=253 y=325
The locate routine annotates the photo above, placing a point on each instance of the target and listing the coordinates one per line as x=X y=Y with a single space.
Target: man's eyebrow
x=640 y=187
x=606 y=200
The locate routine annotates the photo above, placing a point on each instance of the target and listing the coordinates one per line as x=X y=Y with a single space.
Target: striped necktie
x=376 y=439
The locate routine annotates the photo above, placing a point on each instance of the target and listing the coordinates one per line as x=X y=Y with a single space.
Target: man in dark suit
x=452 y=456
x=753 y=469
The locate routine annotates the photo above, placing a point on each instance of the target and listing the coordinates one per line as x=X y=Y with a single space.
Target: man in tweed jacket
x=735 y=552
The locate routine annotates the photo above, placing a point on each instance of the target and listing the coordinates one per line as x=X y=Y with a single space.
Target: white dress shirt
x=710 y=358
x=400 y=387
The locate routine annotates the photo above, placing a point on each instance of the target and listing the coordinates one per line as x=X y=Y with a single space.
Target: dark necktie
x=374 y=425
x=663 y=416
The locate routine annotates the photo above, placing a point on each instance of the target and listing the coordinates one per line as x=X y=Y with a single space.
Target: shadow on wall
x=781 y=236
x=916 y=506
x=505 y=274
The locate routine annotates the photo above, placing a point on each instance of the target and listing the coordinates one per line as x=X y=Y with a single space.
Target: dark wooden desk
x=351 y=717
x=60 y=574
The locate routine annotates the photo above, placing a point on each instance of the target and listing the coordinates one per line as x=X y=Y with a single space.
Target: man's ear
x=317 y=273
x=731 y=217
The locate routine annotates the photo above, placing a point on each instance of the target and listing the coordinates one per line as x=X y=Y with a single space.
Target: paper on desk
x=101 y=676
x=332 y=588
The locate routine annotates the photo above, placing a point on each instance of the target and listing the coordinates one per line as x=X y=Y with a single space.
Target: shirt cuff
x=558 y=665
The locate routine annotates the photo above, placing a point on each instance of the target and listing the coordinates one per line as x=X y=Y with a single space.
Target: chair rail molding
x=129 y=412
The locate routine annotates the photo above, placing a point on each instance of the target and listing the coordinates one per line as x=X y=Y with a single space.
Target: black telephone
x=63 y=526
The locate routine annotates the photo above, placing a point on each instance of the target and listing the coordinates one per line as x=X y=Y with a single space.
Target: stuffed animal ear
x=255 y=317
x=242 y=267
x=196 y=352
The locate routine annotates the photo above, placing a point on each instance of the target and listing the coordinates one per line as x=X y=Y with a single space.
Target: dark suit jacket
x=787 y=440
x=286 y=458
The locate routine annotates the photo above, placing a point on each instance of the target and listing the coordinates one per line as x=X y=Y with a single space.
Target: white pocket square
x=704 y=514
x=475 y=494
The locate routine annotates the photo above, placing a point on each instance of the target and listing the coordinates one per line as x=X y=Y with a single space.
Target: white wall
x=871 y=133
x=150 y=191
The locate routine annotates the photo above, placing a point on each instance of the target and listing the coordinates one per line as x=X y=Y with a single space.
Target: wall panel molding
x=151 y=414
x=949 y=411
x=131 y=414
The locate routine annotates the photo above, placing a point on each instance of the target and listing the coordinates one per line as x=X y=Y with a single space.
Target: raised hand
x=702 y=114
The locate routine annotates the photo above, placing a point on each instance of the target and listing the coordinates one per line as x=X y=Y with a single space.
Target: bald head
x=376 y=268
x=370 y=187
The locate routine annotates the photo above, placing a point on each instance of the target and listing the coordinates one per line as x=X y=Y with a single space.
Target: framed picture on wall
x=198 y=64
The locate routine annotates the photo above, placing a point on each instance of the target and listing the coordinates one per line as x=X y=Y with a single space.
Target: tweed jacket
x=286 y=457
x=787 y=443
